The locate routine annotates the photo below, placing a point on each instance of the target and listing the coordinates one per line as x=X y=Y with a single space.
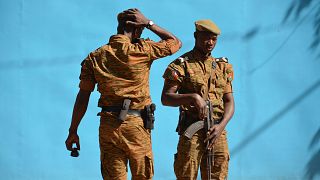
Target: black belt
x=136 y=112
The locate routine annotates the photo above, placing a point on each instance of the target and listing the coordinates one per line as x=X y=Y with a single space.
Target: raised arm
x=139 y=20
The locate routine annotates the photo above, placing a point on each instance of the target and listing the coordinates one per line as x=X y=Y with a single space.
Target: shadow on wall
x=313 y=166
x=296 y=8
x=277 y=117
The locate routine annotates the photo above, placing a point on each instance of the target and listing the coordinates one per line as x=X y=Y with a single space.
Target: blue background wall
x=273 y=45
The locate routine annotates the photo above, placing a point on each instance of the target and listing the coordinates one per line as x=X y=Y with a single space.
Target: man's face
x=205 y=41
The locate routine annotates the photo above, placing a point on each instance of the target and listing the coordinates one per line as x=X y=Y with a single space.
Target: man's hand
x=72 y=138
x=213 y=133
x=138 y=19
x=201 y=105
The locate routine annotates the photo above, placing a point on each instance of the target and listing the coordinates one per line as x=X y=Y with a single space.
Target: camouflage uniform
x=121 y=70
x=192 y=74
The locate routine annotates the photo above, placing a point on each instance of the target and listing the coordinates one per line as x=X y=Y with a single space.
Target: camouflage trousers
x=191 y=154
x=125 y=142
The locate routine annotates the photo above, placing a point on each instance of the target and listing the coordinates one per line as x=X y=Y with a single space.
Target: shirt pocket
x=195 y=83
x=219 y=79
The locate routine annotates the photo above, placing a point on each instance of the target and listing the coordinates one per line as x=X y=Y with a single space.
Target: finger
x=132 y=11
x=135 y=24
x=131 y=23
x=208 y=137
x=211 y=136
x=209 y=145
x=130 y=16
x=69 y=146
x=212 y=144
x=78 y=145
x=206 y=140
x=200 y=114
x=204 y=111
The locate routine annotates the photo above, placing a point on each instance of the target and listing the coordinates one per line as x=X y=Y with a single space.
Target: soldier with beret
x=121 y=71
x=197 y=82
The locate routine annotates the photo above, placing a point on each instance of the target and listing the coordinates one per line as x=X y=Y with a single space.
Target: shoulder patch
x=222 y=59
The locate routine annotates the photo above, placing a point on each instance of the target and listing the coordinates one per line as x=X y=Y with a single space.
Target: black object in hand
x=74 y=153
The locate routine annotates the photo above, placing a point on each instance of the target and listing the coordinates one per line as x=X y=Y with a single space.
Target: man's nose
x=211 y=42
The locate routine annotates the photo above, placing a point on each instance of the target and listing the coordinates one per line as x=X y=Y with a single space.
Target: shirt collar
x=119 y=38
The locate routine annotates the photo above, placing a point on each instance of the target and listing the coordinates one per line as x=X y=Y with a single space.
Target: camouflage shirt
x=121 y=69
x=192 y=73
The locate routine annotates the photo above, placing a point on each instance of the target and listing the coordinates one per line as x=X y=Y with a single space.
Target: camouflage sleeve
x=229 y=76
x=87 y=78
x=175 y=71
x=162 y=48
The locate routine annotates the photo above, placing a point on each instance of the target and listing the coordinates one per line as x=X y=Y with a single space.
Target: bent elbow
x=179 y=43
x=164 y=100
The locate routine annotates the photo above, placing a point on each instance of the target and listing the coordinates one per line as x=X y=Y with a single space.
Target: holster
x=148 y=116
x=124 y=109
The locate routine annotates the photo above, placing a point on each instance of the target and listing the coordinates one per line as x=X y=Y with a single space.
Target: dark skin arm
x=141 y=21
x=79 y=110
x=216 y=130
x=170 y=97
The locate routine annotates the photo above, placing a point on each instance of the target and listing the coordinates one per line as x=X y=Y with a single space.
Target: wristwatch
x=150 y=23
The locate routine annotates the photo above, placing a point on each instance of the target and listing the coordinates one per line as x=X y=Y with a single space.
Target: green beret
x=207 y=25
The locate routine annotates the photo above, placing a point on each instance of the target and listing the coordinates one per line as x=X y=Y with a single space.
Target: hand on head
x=133 y=17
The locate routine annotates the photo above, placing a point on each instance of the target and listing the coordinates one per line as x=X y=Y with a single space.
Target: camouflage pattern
x=191 y=155
x=125 y=142
x=192 y=73
x=121 y=70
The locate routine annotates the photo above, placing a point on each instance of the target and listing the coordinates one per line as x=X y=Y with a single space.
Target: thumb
x=131 y=23
x=78 y=145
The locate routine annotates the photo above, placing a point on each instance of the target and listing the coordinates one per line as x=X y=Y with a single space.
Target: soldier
x=121 y=71
x=193 y=81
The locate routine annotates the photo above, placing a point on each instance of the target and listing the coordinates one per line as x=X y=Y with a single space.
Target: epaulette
x=222 y=59
x=182 y=59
